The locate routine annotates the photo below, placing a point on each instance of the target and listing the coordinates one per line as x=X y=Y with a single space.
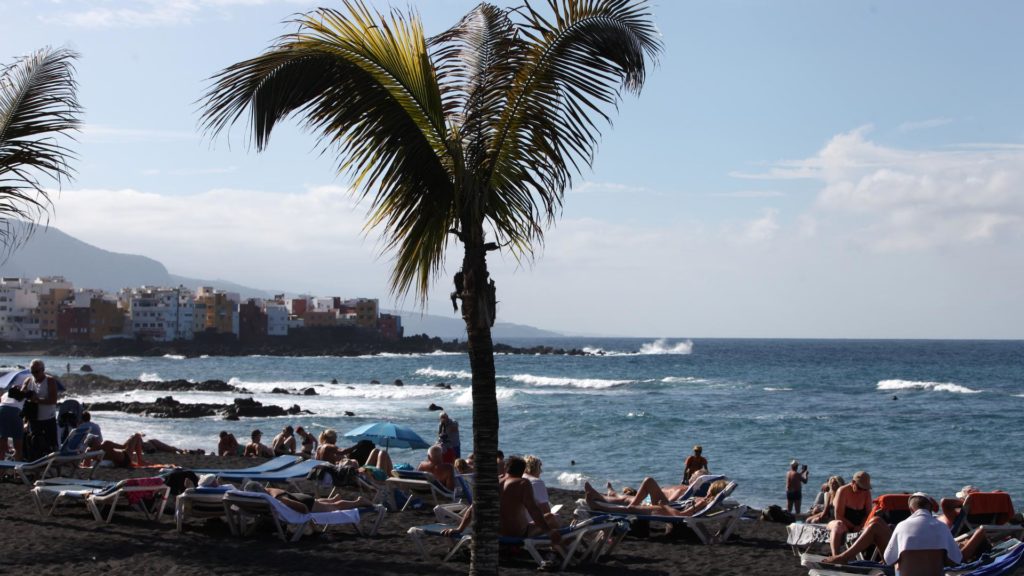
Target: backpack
x=775 y=513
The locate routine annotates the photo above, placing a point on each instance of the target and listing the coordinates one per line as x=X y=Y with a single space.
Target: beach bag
x=775 y=513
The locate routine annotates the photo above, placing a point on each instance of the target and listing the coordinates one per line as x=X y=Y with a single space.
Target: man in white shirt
x=921 y=544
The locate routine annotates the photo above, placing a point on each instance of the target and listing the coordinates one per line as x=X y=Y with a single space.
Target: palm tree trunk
x=479 y=316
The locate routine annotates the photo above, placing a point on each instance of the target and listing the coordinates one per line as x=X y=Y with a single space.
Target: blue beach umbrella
x=18 y=377
x=389 y=434
x=13 y=377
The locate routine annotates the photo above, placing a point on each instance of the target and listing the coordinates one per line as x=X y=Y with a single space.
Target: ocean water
x=918 y=415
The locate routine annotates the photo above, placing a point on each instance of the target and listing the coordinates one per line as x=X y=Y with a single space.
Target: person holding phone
x=795 y=481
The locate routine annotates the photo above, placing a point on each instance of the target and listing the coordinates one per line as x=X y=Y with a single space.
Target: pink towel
x=136 y=497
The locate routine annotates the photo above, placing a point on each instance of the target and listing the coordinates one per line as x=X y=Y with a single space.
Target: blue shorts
x=11 y=425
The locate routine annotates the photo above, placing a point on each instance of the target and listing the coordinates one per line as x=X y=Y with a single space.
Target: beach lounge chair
x=802 y=537
x=417 y=482
x=199 y=503
x=272 y=465
x=69 y=455
x=242 y=508
x=146 y=495
x=582 y=542
x=288 y=475
x=992 y=510
x=712 y=524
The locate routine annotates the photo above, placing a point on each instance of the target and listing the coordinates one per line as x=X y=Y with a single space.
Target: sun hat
x=965 y=491
x=859 y=475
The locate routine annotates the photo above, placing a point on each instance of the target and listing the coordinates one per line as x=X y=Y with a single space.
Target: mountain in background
x=50 y=252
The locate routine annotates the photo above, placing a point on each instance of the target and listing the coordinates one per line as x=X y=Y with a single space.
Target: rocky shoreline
x=168 y=407
x=309 y=344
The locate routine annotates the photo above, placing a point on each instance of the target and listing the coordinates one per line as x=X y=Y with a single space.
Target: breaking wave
x=466 y=397
x=150 y=377
x=662 y=346
x=683 y=380
x=595 y=383
x=174 y=356
x=932 y=386
x=432 y=372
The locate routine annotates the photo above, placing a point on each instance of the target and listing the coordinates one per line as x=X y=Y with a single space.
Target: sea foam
x=571 y=480
x=662 y=346
x=150 y=377
x=432 y=372
x=683 y=380
x=466 y=397
x=596 y=383
x=932 y=386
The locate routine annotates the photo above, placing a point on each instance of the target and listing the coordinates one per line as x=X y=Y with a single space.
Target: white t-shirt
x=921 y=531
x=42 y=390
x=540 y=490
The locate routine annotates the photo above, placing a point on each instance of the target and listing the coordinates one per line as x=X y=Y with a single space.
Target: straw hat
x=965 y=491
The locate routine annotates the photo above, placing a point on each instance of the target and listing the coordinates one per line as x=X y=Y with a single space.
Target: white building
x=17 y=304
x=162 y=314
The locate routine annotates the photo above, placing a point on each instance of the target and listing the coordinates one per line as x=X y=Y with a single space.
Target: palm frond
x=577 y=66
x=364 y=83
x=38 y=104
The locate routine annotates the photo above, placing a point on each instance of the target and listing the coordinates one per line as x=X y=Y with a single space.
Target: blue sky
x=792 y=169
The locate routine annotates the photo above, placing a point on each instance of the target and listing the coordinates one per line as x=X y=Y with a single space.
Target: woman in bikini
x=660 y=502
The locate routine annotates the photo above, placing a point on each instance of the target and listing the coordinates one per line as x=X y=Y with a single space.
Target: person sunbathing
x=284 y=442
x=951 y=506
x=660 y=503
x=517 y=506
x=256 y=448
x=308 y=442
x=378 y=466
x=304 y=503
x=822 y=510
x=228 y=445
x=328 y=450
x=121 y=454
x=628 y=495
x=851 y=507
x=443 y=472
x=919 y=533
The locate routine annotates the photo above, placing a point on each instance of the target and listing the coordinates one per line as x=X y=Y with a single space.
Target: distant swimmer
x=434 y=407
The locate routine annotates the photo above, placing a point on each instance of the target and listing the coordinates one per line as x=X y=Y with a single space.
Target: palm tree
x=37 y=103
x=469 y=137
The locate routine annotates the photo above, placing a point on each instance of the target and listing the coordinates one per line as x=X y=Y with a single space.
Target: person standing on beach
x=448 y=429
x=694 y=462
x=43 y=425
x=794 y=486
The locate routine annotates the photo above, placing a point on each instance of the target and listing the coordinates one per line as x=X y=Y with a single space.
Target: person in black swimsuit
x=851 y=507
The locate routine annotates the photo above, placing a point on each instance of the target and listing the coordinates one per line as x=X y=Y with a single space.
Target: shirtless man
x=518 y=507
x=851 y=507
x=661 y=503
x=794 y=486
x=228 y=444
x=693 y=463
x=442 y=471
x=284 y=443
x=257 y=448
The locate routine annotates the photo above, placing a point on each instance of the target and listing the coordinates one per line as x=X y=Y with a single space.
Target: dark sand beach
x=72 y=543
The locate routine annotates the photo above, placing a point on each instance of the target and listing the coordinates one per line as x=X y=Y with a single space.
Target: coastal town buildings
x=50 y=308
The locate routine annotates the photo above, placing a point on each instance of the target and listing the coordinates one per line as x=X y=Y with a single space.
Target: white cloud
x=303 y=240
x=761 y=229
x=924 y=124
x=897 y=199
x=151 y=13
